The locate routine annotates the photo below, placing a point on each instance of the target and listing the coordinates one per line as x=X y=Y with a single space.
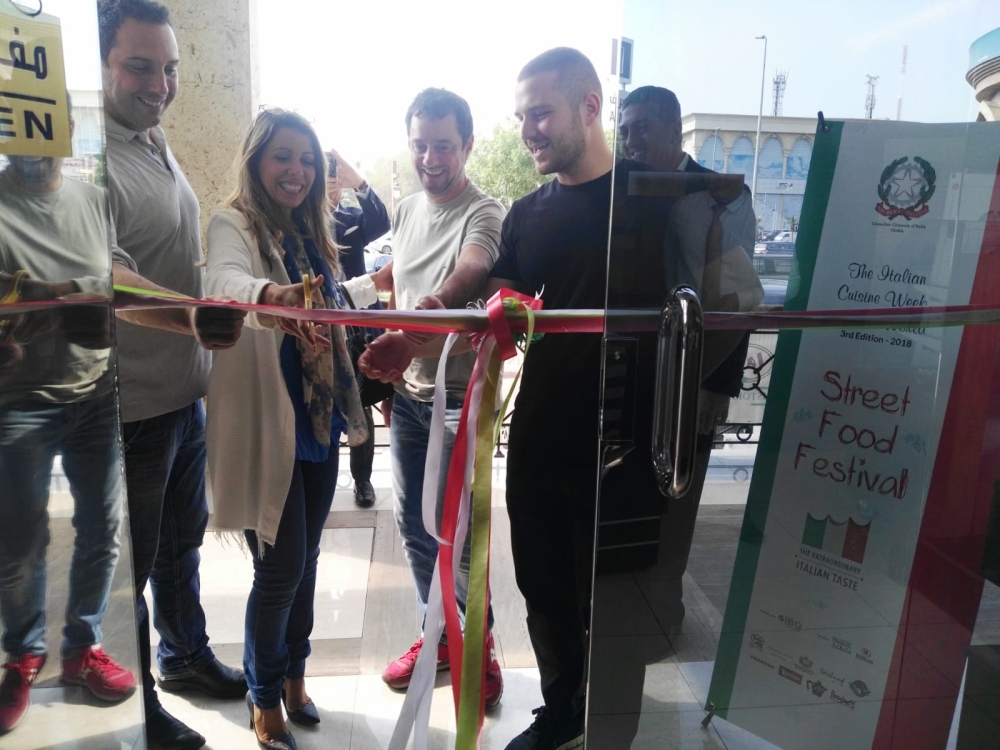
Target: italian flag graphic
x=846 y=539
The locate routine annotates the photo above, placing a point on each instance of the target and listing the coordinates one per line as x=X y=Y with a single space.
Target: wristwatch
x=362 y=188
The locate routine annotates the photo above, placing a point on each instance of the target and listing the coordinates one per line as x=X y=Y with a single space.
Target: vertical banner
x=856 y=584
x=34 y=116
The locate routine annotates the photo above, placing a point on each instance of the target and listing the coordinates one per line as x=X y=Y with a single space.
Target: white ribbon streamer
x=414 y=717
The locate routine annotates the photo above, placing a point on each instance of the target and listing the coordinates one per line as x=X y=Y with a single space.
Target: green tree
x=379 y=176
x=502 y=166
x=616 y=147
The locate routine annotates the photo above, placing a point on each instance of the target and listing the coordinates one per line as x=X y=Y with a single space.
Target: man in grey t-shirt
x=446 y=240
x=58 y=400
x=163 y=373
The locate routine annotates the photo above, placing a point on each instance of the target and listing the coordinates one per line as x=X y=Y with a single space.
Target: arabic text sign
x=34 y=116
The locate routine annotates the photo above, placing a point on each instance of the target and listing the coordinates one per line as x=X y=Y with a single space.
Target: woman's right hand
x=294 y=295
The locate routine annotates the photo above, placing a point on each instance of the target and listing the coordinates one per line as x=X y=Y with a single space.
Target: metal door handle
x=678 y=382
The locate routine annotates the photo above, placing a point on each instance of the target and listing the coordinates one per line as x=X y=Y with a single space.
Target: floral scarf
x=327 y=373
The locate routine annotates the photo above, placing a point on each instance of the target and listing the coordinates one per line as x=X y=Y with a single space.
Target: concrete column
x=218 y=92
x=784 y=162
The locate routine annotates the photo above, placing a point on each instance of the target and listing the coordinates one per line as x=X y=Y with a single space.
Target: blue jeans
x=86 y=434
x=165 y=478
x=279 y=617
x=409 y=434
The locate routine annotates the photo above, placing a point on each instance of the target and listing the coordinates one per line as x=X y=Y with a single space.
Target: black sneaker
x=550 y=732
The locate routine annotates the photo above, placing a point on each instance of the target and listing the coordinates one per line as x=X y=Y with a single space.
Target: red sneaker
x=397 y=675
x=96 y=671
x=494 y=680
x=15 y=688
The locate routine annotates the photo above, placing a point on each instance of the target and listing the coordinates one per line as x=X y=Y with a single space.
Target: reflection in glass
x=741 y=158
x=683 y=224
x=769 y=162
x=799 y=159
x=62 y=558
x=844 y=603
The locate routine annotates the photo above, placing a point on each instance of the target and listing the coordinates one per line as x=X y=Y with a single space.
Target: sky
x=358 y=65
x=354 y=67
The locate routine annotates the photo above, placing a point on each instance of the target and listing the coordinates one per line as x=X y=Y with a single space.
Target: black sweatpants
x=551 y=507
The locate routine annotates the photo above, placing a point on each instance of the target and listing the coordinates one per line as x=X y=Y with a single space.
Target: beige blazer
x=250 y=429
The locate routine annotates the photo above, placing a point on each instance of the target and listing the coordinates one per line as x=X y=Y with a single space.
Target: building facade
x=984 y=75
x=725 y=143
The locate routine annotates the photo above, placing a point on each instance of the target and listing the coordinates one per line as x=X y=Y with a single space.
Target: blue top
x=307 y=448
x=356 y=227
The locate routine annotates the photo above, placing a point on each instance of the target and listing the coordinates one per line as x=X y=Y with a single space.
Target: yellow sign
x=34 y=116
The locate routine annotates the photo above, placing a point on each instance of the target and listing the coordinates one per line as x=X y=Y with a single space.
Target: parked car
x=775 y=290
x=381 y=245
x=774 y=247
x=376 y=260
x=773 y=259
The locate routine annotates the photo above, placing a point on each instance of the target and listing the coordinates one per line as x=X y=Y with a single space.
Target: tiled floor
x=359 y=713
x=341 y=585
x=69 y=719
x=366 y=615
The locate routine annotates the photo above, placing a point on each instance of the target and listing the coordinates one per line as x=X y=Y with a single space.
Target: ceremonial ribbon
x=468 y=687
x=471 y=459
x=554 y=321
x=469 y=475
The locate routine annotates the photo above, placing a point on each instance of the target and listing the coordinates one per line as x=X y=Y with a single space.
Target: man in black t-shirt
x=556 y=241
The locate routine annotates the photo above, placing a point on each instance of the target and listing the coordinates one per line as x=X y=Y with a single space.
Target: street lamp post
x=760 y=114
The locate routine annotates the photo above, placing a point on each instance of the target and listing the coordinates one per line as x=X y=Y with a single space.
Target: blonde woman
x=277 y=404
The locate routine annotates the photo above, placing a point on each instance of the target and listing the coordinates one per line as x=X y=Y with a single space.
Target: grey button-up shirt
x=156 y=214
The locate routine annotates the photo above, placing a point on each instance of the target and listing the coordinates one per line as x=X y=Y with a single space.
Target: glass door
x=66 y=593
x=812 y=565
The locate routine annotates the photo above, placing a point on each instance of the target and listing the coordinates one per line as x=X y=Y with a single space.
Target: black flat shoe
x=284 y=742
x=164 y=732
x=216 y=680
x=364 y=494
x=305 y=716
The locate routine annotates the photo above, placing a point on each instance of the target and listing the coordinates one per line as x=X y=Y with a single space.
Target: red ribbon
x=564 y=321
x=500 y=329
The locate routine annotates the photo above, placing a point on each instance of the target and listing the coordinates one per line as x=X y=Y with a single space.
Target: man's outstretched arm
x=213 y=327
x=389 y=355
